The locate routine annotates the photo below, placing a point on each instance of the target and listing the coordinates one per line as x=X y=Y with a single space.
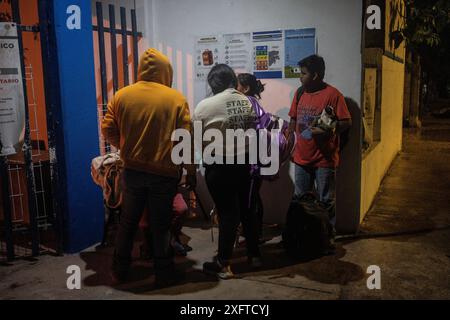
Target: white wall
x=172 y=25
x=176 y=23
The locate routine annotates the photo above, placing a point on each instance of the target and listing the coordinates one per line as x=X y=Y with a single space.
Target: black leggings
x=229 y=186
x=257 y=205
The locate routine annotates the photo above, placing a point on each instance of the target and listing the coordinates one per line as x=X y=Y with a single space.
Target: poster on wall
x=208 y=52
x=299 y=44
x=12 y=101
x=268 y=54
x=238 y=52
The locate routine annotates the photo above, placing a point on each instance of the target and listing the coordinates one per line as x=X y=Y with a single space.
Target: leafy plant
x=426 y=21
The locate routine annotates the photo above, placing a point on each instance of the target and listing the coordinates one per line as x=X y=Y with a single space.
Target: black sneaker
x=216 y=269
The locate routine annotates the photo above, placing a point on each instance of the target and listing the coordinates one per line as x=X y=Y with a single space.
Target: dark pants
x=257 y=205
x=323 y=178
x=141 y=189
x=229 y=186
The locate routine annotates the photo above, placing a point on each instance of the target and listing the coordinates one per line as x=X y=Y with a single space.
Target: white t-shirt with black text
x=229 y=109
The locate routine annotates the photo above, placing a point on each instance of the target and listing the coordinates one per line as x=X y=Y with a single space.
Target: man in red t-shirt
x=318 y=118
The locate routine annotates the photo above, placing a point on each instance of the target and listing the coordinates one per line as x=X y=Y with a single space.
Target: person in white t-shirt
x=229 y=184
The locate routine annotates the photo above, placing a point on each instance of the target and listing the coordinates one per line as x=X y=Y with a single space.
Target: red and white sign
x=12 y=102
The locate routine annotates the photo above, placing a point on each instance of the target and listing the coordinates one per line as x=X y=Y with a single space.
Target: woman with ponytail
x=249 y=85
x=252 y=87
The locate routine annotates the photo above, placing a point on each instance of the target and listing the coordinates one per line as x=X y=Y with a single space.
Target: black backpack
x=308 y=233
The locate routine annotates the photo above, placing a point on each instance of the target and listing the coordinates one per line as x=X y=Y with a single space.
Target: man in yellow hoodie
x=140 y=121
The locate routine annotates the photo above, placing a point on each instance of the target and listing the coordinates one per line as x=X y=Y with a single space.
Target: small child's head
x=249 y=85
x=312 y=70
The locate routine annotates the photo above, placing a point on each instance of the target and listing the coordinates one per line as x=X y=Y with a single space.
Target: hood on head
x=155 y=67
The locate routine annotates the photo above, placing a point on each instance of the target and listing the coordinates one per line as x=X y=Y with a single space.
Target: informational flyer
x=299 y=44
x=268 y=54
x=12 y=101
x=208 y=52
x=238 y=52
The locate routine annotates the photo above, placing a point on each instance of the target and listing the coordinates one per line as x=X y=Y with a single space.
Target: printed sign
x=238 y=50
x=208 y=54
x=268 y=53
x=299 y=44
x=12 y=101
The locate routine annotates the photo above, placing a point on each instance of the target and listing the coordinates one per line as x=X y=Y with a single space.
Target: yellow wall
x=376 y=163
x=395 y=9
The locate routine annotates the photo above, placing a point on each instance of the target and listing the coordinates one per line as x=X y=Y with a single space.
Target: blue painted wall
x=83 y=216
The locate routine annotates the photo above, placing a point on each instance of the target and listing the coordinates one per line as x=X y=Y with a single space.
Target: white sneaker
x=216 y=269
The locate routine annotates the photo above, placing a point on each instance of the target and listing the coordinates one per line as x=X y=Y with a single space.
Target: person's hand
x=316 y=131
x=191 y=181
x=287 y=133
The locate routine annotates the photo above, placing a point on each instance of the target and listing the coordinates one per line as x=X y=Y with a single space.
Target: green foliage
x=425 y=22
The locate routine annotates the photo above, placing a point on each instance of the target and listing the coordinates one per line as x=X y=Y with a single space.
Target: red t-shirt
x=317 y=151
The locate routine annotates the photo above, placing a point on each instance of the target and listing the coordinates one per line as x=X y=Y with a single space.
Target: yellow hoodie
x=141 y=118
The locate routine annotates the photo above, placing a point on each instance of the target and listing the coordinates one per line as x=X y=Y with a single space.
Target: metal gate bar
x=7 y=210
x=102 y=56
x=125 y=34
x=27 y=144
x=135 y=43
x=123 y=20
x=112 y=26
x=52 y=99
x=34 y=171
x=101 y=47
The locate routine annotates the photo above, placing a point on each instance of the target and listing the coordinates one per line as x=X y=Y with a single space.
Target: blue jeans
x=323 y=179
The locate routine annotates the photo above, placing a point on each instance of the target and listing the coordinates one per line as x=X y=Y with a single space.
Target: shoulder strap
x=256 y=107
x=298 y=94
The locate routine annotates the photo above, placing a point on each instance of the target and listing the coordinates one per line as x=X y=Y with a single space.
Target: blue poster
x=299 y=44
x=268 y=54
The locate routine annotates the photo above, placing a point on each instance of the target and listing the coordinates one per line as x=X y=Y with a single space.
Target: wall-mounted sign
x=299 y=44
x=237 y=52
x=208 y=51
x=266 y=54
x=12 y=101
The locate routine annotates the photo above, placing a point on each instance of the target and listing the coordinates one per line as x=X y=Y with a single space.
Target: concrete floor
x=406 y=234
